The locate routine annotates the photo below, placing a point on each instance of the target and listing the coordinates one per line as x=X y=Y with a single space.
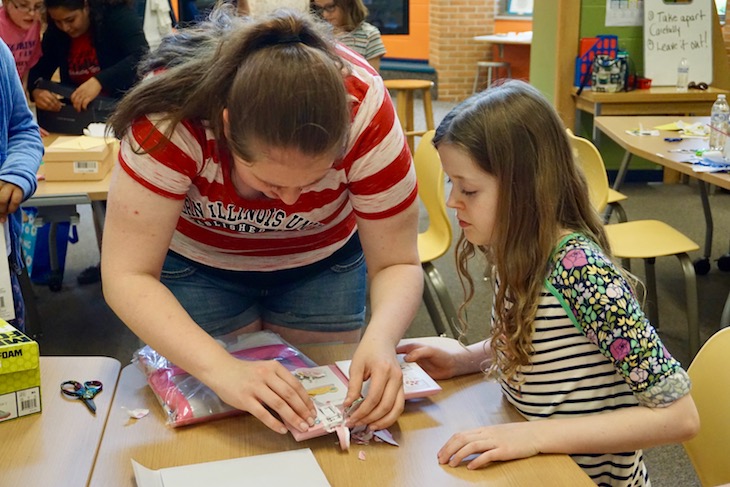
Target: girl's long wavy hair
x=513 y=133
x=279 y=77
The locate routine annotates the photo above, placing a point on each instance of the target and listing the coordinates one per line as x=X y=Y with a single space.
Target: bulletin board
x=676 y=29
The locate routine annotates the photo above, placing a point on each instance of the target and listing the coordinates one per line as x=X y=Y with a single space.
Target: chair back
x=710 y=376
x=591 y=162
x=436 y=239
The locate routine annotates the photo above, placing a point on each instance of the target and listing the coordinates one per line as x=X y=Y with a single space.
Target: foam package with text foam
x=20 y=374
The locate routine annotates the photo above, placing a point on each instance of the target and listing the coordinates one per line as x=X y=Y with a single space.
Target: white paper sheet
x=284 y=469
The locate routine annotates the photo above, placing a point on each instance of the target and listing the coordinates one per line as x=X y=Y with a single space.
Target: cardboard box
x=78 y=158
x=20 y=374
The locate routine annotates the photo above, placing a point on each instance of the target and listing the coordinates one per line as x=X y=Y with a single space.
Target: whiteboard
x=674 y=30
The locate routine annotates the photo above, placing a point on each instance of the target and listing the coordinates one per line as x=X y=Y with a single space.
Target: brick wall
x=453 y=51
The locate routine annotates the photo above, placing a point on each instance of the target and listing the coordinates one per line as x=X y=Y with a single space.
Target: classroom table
x=426 y=424
x=500 y=40
x=661 y=100
x=656 y=150
x=56 y=202
x=58 y=447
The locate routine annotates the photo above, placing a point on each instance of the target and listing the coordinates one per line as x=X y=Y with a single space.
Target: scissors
x=85 y=391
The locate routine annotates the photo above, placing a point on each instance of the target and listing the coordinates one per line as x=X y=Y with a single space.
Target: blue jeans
x=330 y=299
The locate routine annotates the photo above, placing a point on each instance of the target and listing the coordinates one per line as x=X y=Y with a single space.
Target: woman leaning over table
x=246 y=200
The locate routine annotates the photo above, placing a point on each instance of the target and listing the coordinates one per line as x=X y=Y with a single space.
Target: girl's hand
x=492 y=443
x=385 y=400
x=256 y=386
x=10 y=198
x=438 y=356
x=85 y=94
x=45 y=100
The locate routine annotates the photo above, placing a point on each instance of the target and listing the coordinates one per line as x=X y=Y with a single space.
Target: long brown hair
x=512 y=132
x=279 y=77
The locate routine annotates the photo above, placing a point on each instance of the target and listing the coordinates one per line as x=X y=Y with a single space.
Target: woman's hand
x=85 y=94
x=256 y=386
x=491 y=443
x=45 y=100
x=384 y=401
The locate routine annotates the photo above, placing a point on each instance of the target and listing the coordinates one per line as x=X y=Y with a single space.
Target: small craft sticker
x=361 y=455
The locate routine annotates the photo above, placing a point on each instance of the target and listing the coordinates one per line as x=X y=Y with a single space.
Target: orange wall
x=415 y=44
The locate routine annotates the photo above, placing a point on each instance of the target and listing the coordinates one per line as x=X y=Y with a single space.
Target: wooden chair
x=642 y=239
x=435 y=241
x=404 y=90
x=710 y=376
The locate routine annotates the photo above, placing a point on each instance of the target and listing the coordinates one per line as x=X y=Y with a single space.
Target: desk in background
x=518 y=50
x=58 y=446
x=655 y=149
x=500 y=40
x=465 y=402
x=662 y=100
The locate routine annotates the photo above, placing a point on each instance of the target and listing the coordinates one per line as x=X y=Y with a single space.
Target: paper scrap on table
x=688 y=130
x=286 y=469
x=138 y=413
x=82 y=142
x=98 y=130
x=642 y=132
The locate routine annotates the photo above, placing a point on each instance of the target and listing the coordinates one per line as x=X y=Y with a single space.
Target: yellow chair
x=710 y=376
x=435 y=241
x=642 y=239
x=614 y=203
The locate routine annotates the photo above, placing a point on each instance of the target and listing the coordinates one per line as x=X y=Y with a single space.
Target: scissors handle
x=85 y=392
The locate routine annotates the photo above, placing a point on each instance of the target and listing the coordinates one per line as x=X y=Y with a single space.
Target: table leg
x=98 y=209
x=708 y=218
x=623 y=168
x=596 y=133
x=620 y=175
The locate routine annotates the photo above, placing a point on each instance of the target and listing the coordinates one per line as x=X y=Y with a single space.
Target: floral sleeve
x=605 y=309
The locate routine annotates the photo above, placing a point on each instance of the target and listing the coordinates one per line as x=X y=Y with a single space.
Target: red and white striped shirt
x=375 y=179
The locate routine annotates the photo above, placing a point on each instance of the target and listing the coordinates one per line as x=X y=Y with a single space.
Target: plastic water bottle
x=683 y=75
x=719 y=123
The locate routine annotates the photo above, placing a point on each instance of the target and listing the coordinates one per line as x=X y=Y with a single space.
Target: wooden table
x=499 y=40
x=423 y=428
x=656 y=150
x=662 y=100
x=58 y=446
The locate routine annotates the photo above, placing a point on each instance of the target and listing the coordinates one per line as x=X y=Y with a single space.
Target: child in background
x=348 y=19
x=21 y=150
x=20 y=28
x=570 y=344
x=95 y=44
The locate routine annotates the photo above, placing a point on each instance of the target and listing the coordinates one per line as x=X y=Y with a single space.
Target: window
x=516 y=8
x=390 y=16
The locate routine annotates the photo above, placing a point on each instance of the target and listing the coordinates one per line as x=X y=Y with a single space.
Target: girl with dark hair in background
x=97 y=45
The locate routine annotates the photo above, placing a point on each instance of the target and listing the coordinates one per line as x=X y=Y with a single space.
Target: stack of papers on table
x=711 y=161
x=687 y=130
x=285 y=469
